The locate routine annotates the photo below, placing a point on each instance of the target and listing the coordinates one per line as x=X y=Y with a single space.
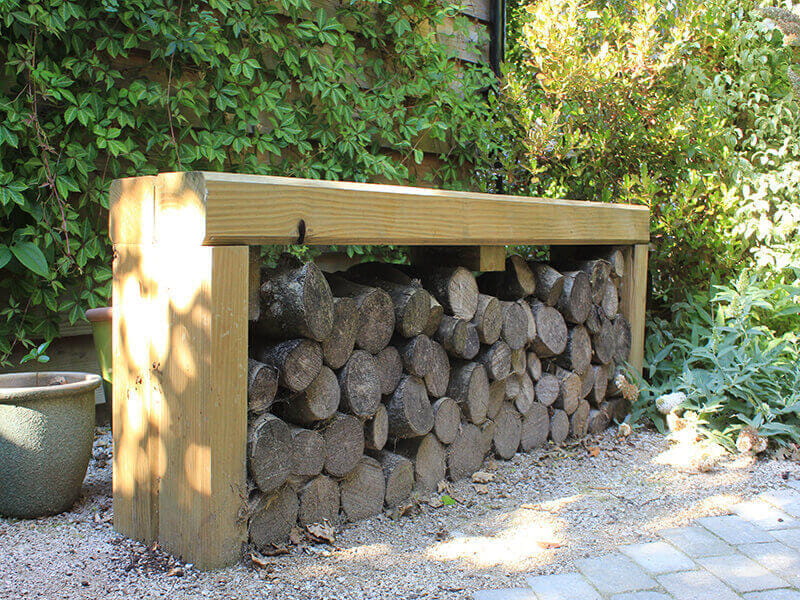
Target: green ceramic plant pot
x=46 y=433
x=100 y=318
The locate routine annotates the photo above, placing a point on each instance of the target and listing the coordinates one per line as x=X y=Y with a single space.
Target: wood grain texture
x=633 y=299
x=131 y=210
x=224 y=208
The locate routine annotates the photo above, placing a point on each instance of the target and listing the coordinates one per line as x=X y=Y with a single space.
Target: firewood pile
x=368 y=384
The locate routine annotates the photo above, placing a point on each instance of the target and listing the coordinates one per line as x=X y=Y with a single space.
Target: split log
x=604 y=342
x=530 y=321
x=594 y=320
x=559 y=426
x=360 y=386
x=298 y=362
x=598 y=421
x=296 y=301
x=526 y=394
x=496 y=359
x=319 y=501
x=497 y=395
x=535 y=427
x=339 y=346
x=455 y=288
x=434 y=318
x=519 y=361
x=587 y=382
x=569 y=391
x=598 y=270
x=551 y=330
x=363 y=490
x=617 y=259
x=459 y=338
x=410 y=411
x=576 y=297
x=307 y=452
x=488 y=429
x=398 y=473
x=610 y=300
x=488 y=319
x=579 y=420
x=375 y=322
x=598 y=393
x=516 y=282
x=507 y=433
x=446 y=419
x=415 y=354
x=549 y=282
x=344 y=444
x=390 y=369
x=376 y=429
x=464 y=456
x=412 y=304
x=577 y=356
x=437 y=377
x=272 y=517
x=469 y=386
x=317 y=402
x=269 y=446
x=515 y=325
x=428 y=456
x=622 y=335
x=262 y=385
x=534 y=366
x=548 y=388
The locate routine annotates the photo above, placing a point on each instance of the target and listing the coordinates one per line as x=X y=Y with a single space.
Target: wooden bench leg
x=634 y=297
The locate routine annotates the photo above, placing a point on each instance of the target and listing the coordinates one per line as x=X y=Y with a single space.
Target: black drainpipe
x=497 y=52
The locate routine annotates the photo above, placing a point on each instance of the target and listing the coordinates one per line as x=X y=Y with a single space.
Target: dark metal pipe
x=497 y=49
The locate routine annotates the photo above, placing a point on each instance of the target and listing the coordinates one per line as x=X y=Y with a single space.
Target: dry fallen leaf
x=482 y=477
x=175 y=572
x=481 y=488
x=594 y=451
x=322 y=532
x=296 y=536
x=258 y=560
x=274 y=550
x=549 y=545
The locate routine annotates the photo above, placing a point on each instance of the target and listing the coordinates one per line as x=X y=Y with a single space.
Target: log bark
x=376 y=429
x=344 y=444
x=530 y=320
x=410 y=411
x=464 y=455
x=515 y=325
x=446 y=419
x=559 y=426
x=594 y=320
x=390 y=369
x=569 y=391
x=317 y=402
x=298 y=362
x=519 y=361
x=526 y=394
x=577 y=356
x=269 y=446
x=428 y=456
x=507 y=433
x=375 y=322
x=487 y=437
x=307 y=453
x=579 y=420
x=360 y=386
x=497 y=395
x=438 y=375
x=598 y=421
x=363 y=490
x=272 y=517
x=469 y=386
x=319 y=501
x=576 y=297
x=535 y=428
x=339 y=346
x=398 y=473
x=459 y=338
x=496 y=359
x=412 y=304
x=262 y=385
x=587 y=382
x=455 y=288
x=488 y=319
x=296 y=301
x=434 y=318
x=598 y=393
x=534 y=366
x=622 y=336
x=549 y=282
x=604 y=342
x=415 y=354
x=551 y=330
x=517 y=281
x=610 y=300
x=548 y=389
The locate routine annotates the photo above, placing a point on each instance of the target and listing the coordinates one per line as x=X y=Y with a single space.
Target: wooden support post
x=474 y=258
x=633 y=297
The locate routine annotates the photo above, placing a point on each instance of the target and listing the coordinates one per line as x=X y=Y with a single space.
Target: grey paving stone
x=696 y=585
x=774 y=595
x=735 y=530
x=696 y=541
x=642 y=596
x=658 y=557
x=567 y=586
x=764 y=515
x=742 y=574
x=790 y=537
x=614 y=574
x=780 y=559
x=795 y=483
x=787 y=499
x=506 y=594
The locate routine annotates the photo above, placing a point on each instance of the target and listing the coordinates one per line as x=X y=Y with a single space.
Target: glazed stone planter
x=46 y=433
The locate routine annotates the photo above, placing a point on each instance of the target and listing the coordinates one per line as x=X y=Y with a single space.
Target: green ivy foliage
x=96 y=90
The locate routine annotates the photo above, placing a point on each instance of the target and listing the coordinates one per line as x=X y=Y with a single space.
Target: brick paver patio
x=752 y=554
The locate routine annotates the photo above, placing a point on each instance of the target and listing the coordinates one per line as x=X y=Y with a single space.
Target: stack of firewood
x=367 y=384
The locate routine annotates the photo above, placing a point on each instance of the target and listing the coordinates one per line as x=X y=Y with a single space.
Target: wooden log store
x=186 y=288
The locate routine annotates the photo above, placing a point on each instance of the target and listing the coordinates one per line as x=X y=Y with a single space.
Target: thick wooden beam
x=633 y=296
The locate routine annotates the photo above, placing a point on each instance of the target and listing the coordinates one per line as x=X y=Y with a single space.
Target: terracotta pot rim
x=15 y=389
x=97 y=315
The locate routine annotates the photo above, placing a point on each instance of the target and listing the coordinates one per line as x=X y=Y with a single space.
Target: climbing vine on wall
x=93 y=91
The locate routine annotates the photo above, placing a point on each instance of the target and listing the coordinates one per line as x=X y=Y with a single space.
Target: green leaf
x=31 y=257
x=448 y=500
x=5 y=256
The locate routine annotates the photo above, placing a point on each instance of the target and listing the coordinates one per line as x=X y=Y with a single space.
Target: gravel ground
x=538 y=514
